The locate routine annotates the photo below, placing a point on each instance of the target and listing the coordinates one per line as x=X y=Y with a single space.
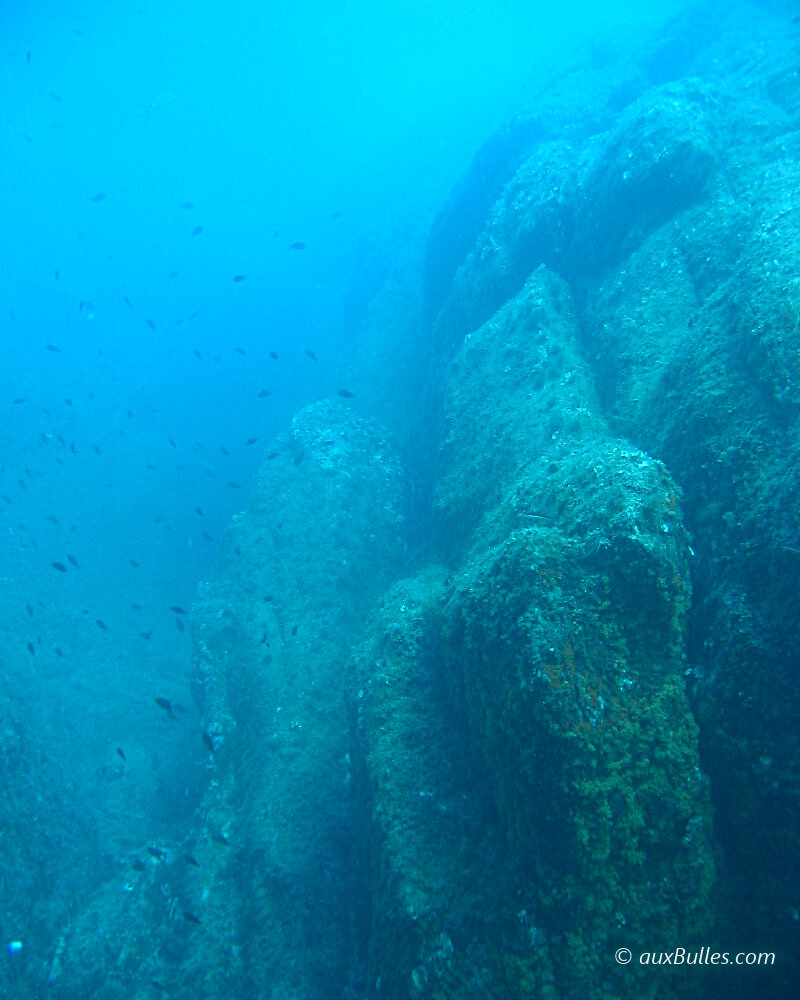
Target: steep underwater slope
x=570 y=724
x=675 y=234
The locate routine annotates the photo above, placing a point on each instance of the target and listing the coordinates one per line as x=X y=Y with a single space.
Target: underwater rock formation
x=301 y=567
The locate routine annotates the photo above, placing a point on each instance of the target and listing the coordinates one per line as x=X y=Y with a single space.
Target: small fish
x=239 y=277
x=187 y=204
x=297 y=245
x=29 y=608
x=166 y=704
x=179 y=625
x=146 y=635
x=273 y=355
x=311 y=354
x=294 y=630
x=27 y=58
x=59 y=566
x=251 y=441
x=208 y=538
x=190 y=917
x=100 y=196
x=240 y=350
x=101 y=624
x=156 y=852
x=172 y=442
x=346 y=394
x=264 y=393
x=159 y=986
x=219 y=838
x=56 y=274
x=190 y=859
x=150 y=323
x=176 y=609
x=52 y=347
x=19 y=399
x=74 y=561
x=54 y=96
x=127 y=301
x=121 y=754
x=136 y=607
x=96 y=449
x=234 y=486
x=208 y=742
x=133 y=563
x=52 y=518
x=138 y=865
x=197 y=354
x=272 y=454
x=31 y=649
x=225 y=451
x=197 y=230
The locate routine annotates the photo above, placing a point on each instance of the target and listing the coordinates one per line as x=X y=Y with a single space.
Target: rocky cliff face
x=568 y=725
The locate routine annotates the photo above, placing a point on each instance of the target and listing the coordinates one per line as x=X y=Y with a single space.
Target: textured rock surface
x=301 y=569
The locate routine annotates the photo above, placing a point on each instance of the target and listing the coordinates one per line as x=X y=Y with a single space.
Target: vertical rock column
x=299 y=572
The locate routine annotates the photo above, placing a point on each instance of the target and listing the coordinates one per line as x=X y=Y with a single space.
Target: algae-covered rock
x=452 y=914
x=301 y=568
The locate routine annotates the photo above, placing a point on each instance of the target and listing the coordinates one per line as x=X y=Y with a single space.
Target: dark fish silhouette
x=179 y=625
x=52 y=348
x=138 y=865
x=156 y=852
x=54 y=519
x=235 y=486
x=127 y=301
x=100 y=196
x=176 y=609
x=251 y=440
x=311 y=355
x=273 y=355
x=346 y=394
x=197 y=230
x=264 y=393
x=190 y=859
x=19 y=399
x=121 y=753
x=208 y=741
x=150 y=323
x=74 y=562
x=190 y=917
x=187 y=204
x=197 y=354
x=240 y=350
x=31 y=649
x=297 y=246
x=134 y=563
x=166 y=704
x=101 y=624
x=239 y=277
x=59 y=566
